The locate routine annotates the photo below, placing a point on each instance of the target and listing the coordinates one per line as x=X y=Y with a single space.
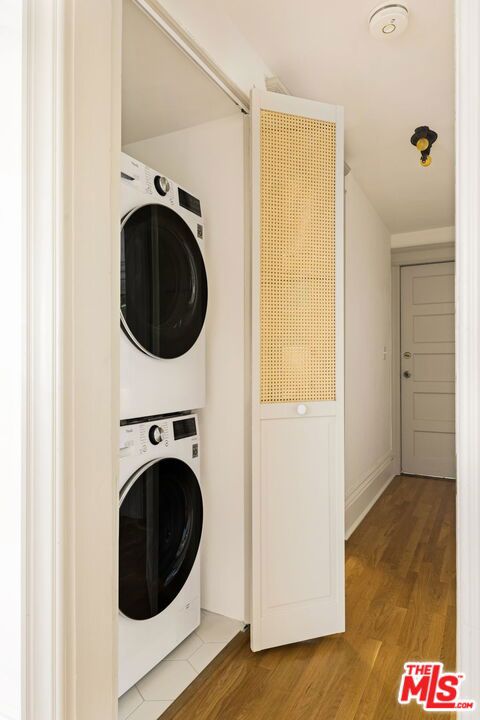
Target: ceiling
x=162 y=89
x=324 y=51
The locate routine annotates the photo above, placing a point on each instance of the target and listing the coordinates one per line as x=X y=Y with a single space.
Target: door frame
x=71 y=113
x=467 y=296
x=63 y=83
x=417 y=255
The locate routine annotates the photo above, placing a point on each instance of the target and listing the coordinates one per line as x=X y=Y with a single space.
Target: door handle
x=407 y=374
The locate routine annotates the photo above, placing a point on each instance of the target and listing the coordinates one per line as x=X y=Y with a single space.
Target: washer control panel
x=153 y=436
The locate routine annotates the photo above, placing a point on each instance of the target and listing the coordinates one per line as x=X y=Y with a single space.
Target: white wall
x=210 y=27
x=209 y=161
x=368 y=396
x=11 y=361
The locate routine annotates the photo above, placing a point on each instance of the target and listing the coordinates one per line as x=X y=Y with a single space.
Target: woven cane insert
x=297 y=263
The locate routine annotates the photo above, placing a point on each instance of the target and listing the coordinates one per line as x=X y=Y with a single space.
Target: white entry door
x=297 y=370
x=428 y=369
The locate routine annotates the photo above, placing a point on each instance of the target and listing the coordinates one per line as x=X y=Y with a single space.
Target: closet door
x=298 y=589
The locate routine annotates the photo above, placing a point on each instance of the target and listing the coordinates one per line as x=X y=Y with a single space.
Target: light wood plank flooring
x=400 y=574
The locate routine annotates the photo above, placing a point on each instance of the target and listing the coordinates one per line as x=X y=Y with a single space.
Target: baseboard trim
x=361 y=501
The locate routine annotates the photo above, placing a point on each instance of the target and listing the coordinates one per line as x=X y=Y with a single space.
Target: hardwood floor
x=400 y=575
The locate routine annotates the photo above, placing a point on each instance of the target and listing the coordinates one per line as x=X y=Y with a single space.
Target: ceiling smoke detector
x=388 y=19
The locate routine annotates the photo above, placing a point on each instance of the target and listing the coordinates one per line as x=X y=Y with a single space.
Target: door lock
x=407 y=374
x=407 y=355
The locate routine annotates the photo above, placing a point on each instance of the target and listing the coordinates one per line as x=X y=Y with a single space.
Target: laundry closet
x=258 y=388
x=192 y=135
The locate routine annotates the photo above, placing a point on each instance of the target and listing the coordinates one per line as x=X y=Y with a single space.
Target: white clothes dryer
x=163 y=295
x=160 y=527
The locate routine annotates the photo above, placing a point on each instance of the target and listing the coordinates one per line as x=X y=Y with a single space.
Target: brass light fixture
x=423 y=139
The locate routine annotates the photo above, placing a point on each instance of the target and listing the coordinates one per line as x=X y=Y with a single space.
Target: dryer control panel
x=151 y=183
x=145 y=180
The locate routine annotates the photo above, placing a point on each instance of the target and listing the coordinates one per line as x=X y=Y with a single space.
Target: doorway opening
x=399 y=528
x=423 y=324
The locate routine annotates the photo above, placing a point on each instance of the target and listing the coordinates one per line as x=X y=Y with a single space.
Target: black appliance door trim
x=195 y=524
x=178 y=336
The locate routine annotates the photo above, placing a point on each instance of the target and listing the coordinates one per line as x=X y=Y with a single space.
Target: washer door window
x=161 y=516
x=163 y=282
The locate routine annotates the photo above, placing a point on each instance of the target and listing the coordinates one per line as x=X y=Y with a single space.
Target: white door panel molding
x=427 y=369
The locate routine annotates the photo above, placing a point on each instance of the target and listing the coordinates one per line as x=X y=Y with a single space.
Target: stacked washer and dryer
x=162 y=364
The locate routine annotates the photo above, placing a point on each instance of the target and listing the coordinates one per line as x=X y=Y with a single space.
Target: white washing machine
x=160 y=527
x=163 y=295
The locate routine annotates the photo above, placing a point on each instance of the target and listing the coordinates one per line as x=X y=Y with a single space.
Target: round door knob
x=407 y=374
x=162 y=186
x=155 y=434
x=301 y=409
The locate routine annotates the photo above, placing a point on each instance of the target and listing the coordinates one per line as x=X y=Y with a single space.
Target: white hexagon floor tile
x=186 y=649
x=128 y=702
x=155 y=692
x=217 y=628
x=149 y=710
x=204 y=655
x=167 y=680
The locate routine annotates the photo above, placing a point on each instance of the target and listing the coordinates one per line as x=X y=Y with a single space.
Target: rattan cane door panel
x=297 y=258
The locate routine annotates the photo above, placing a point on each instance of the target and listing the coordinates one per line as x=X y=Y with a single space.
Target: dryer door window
x=163 y=282
x=161 y=516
